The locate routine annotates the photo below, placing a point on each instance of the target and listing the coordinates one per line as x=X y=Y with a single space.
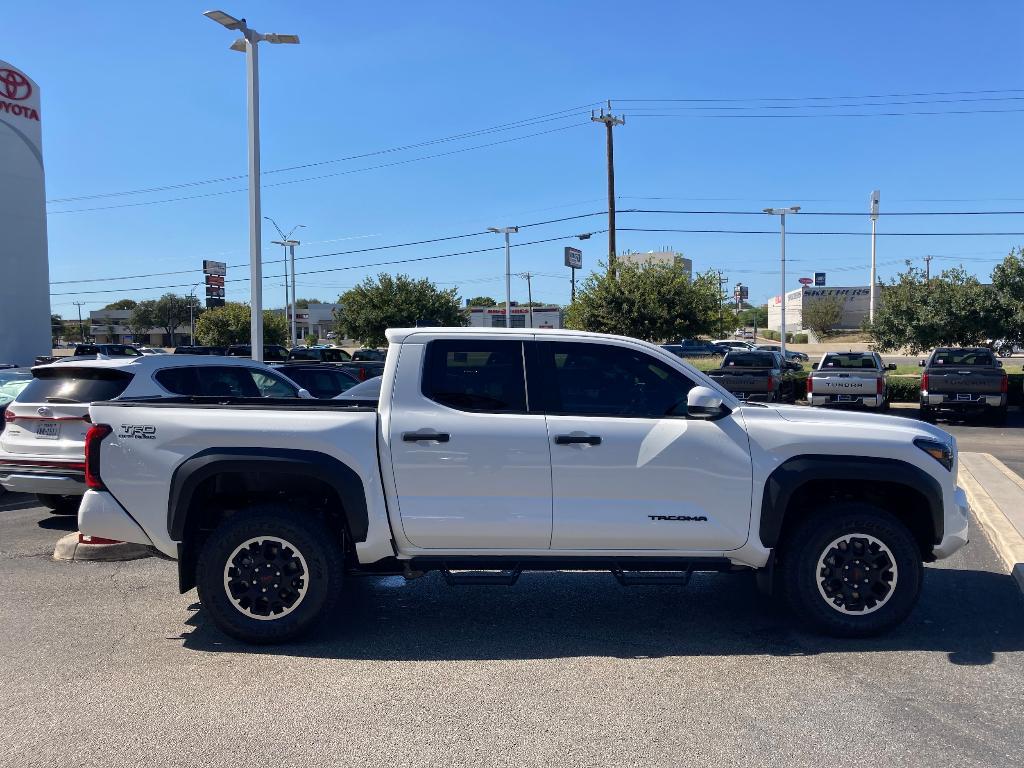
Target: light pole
x=247 y=44
x=528 y=277
x=874 y=278
x=506 y=231
x=781 y=213
x=289 y=243
x=192 y=315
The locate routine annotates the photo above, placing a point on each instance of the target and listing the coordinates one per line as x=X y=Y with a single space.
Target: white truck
x=849 y=379
x=495 y=451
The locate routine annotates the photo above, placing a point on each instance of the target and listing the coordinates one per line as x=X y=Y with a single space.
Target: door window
x=580 y=379
x=476 y=375
x=223 y=381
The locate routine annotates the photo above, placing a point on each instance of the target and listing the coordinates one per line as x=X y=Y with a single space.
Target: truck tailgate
x=964 y=381
x=834 y=383
x=742 y=380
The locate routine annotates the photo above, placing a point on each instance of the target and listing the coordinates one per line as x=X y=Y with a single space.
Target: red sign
x=217 y=280
x=806 y=281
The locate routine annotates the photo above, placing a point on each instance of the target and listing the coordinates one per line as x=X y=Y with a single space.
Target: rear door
x=471 y=464
x=629 y=470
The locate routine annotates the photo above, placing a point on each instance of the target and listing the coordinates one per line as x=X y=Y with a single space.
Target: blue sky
x=148 y=95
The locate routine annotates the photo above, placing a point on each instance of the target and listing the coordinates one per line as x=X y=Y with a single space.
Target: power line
x=835 y=98
x=635 y=110
x=791 y=232
x=835 y=114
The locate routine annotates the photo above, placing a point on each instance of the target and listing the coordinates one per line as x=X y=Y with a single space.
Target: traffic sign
x=573 y=258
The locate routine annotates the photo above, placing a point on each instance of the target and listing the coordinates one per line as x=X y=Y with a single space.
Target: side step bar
x=652 y=578
x=504 y=578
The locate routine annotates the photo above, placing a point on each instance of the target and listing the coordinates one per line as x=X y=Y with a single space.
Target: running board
x=505 y=578
x=652 y=578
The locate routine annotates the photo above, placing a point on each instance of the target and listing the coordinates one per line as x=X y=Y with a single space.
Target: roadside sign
x=819 y=278
x=806 y=281
x=217 y=280
x=213 y=292
x=573 y=258
x=214 y=267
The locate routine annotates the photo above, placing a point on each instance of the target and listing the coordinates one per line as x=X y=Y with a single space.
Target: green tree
x=395 y=301
x=171 y=311
x=122 y=304
x=953 y=309
x=481 y=301
x=822 y=315
x=1008 y=294
x=304 y=303
x=651 y=301
x=231 y=324
x=755 y=317
x=141 y=320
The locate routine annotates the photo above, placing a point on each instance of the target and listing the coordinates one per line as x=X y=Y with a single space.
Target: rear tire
x=851 y=570
x=927 y=414
x=997 y=416
x=60 y=505
x=270 y=573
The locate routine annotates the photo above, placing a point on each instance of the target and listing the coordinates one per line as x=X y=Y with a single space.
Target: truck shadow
x=969 y=615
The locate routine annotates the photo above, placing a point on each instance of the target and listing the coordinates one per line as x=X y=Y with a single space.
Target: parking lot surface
x=106 y=664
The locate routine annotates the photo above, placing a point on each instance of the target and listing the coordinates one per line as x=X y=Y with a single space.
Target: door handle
x=577 y=439
x=415 y=437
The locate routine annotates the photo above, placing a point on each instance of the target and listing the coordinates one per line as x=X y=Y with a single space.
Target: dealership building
x=546 y=316
x=855 y=300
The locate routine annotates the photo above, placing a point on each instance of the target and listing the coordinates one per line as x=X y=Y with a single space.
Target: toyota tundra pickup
x=494 y=451
x=964 y=381
x=756 y=375
x=849 y=379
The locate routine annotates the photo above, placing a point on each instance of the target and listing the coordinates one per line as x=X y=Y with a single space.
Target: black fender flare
x=193 y=471
x=793 y=473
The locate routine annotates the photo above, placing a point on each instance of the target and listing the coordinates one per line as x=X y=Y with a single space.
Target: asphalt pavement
x=106 y=664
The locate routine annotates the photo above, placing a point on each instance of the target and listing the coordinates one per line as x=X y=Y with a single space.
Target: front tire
x=60 y=505
x=851 y=570
x=269 y=573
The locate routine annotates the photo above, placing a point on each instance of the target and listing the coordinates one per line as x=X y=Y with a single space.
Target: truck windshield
x=749 y=360
x=848 y=361
x=963 y=357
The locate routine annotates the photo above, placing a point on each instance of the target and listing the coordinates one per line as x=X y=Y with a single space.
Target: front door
x=629 y=469
x=472 y=467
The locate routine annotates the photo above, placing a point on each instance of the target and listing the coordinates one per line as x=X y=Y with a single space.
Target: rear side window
x=473 y=375
x=223 y=381
x=74 y=385
x=321 y=382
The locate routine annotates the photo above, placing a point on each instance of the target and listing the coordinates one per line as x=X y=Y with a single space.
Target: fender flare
x=793 y=473
x=214 y=461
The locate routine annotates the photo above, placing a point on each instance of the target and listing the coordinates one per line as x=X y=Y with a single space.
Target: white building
x=110 y=326
x=317 y=320
x=547 y=316
x=855 y=302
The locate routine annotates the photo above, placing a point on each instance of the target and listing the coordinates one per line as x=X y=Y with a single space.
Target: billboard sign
x=574 y=258
x=819 y=279
x=214 y=267
x=24 y=260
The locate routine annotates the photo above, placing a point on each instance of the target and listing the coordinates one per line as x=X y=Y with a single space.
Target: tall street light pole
x=247 y=44
x=781 y=213
x=506 y=231
x=873 y=289
x=289 y=244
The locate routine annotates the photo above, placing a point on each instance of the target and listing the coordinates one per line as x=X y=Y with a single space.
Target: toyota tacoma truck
x=756 y=376
x=964 y=381
x=496 y=451
x=849 y=379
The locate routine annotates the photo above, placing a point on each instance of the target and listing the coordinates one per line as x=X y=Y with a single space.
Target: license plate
x=844 y=398
x=964 y=397
x=48 y=430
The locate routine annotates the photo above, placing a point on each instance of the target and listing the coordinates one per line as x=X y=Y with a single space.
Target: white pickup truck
x=494 y=451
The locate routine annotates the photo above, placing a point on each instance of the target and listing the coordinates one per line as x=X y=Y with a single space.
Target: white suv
x=42 y=436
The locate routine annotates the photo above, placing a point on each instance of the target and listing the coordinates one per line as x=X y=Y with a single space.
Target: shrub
x=798 y=338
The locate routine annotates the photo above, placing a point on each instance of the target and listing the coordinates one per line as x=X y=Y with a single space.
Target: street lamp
x=781 y=213
x=247 y=44
x=289 y=243
x=506 y=231
x=875 y=194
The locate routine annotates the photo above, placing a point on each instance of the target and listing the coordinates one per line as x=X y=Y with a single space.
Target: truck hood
x=855 y=420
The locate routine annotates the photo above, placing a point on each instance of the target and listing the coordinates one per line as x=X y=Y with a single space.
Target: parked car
x=1006 y=348
x=201 y=350
x=368 y=355
x=365 y=391
x=964 y=381
x=756 y=376
x=322 y=381
x=364 y=370
x=12 y=381
x=272 y=353
x=319 y=355
x=743 y=333
x=694 y=348
x=92 y=350
x=151 y=351
x=734 y=344
x=791 y=354
x=488 y=456
x=849 y=379
x=42 y=445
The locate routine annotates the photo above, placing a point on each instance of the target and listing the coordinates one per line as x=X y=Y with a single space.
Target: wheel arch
x=908 y=492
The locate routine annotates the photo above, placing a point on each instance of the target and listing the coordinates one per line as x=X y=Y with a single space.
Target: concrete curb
x=997 y=527
x=70 y=548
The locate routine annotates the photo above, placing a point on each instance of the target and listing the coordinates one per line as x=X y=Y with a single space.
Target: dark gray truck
x=756 y=376
x=964 y=381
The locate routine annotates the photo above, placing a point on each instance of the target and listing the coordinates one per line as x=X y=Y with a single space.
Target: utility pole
x=81 y=329
x=872 y=286
x=610 y=121
x=529 y=293
x=928 y=269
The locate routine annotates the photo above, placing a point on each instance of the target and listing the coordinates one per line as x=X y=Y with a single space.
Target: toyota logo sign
x=14 y=85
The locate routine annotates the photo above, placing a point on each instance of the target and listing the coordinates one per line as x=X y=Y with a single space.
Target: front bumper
x=42 y=475
x=956 y=529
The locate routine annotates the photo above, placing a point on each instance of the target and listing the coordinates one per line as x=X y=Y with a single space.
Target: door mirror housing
x=704 y=403
x=305 y=395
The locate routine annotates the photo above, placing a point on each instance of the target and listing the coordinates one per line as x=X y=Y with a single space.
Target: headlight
x=939 y=451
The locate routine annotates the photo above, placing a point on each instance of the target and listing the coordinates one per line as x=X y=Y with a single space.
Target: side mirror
x=305 y=395
x=703 y=403
x=921 y=363
x=891 y=367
